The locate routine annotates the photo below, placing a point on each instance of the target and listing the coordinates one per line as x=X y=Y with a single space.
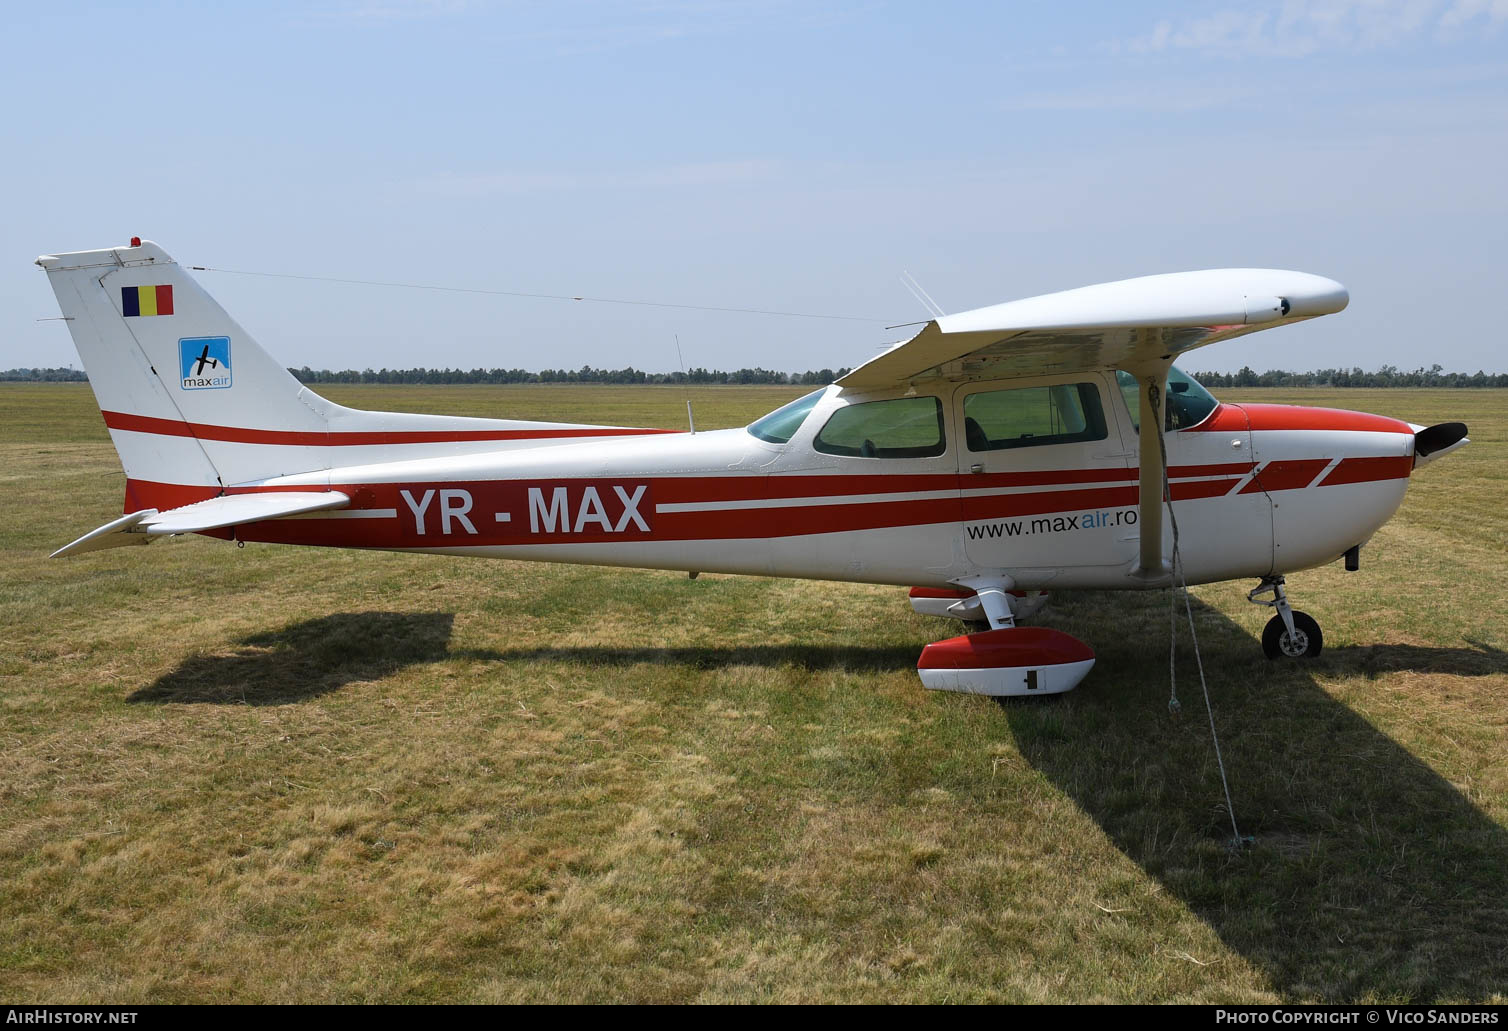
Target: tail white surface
x=162 y=358
x=195 y=405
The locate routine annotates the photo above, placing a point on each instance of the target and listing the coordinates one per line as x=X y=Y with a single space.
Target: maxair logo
x=204 y=363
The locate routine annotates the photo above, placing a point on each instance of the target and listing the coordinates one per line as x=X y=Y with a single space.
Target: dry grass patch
x=280 y=775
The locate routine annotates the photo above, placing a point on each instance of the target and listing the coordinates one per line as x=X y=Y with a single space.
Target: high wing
x=1123 y=325
x=1136 y=325
x=144 y=526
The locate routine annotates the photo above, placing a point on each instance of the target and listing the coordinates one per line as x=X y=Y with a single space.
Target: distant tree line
x=43 y=376
x=1387 y=376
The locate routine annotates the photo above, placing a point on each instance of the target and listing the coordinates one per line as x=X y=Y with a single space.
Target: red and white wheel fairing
x=1010 y=661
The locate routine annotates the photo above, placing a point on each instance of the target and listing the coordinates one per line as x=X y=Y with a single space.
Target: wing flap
x=215 y=514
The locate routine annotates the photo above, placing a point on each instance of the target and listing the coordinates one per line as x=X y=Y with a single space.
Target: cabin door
x=1048 y=479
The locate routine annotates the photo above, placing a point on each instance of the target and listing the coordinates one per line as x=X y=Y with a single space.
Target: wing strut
x=1153 y=458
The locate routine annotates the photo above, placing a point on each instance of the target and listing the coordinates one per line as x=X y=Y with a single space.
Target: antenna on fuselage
x=910 y=283
x=690 y=419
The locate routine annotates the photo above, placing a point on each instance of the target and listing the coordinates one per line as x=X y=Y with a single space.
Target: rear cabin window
x=908 y=427
x=1064 y=413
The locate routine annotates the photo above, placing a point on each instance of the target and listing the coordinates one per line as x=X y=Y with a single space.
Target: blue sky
x=791 y=156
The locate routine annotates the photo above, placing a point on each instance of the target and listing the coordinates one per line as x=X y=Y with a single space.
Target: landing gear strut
x=1289 y=634
x=1004 y=659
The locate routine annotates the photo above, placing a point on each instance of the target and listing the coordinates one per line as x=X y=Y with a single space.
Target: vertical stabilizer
x=165 y=362
x=196 y=406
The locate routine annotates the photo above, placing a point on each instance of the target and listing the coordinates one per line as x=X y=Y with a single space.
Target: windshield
x=781 y=425
x=1188 y=403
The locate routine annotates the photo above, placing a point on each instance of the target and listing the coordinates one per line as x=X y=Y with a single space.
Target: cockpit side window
x=781 y=425
x=1064 y=413
x=906 y=427
x=1188 y=404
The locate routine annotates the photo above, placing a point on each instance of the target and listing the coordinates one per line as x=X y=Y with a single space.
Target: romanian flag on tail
x=146 y=300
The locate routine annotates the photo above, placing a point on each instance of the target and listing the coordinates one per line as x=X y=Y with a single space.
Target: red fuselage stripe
x=486 y=497
x=320 y=438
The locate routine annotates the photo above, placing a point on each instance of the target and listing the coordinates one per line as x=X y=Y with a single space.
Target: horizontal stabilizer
x=115 y=534
x=215 y=514
x=234 y=509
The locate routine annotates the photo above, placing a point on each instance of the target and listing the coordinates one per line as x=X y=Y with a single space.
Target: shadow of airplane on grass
x=309 y=659
x=1372 y=659
x=306 y=660
x=799 y=656
x=1370 y=878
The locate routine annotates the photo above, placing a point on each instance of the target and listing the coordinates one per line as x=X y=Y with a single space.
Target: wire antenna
x=536 y=296
x=910 y=283
x=690 y=419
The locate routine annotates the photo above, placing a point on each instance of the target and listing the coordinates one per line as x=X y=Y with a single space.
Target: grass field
x=269 y=774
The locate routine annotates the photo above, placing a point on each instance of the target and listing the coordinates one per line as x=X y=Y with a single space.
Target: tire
x=1306 y=645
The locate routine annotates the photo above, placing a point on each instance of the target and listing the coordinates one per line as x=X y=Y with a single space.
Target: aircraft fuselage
x=1258 y=490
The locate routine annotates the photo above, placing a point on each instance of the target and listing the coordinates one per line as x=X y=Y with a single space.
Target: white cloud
x=1463 y=12
x=1295 y=28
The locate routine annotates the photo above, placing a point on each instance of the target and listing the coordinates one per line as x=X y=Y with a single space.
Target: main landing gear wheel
x=1303 y=641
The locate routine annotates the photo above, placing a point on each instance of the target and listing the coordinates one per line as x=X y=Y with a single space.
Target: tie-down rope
x=1154 y=394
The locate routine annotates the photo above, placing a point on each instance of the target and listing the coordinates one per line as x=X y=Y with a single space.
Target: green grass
x=271 y=774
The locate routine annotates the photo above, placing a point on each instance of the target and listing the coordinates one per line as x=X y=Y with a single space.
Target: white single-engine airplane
x=992 y=457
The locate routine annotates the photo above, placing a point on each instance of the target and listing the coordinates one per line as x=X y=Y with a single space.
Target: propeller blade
x=1437 y=438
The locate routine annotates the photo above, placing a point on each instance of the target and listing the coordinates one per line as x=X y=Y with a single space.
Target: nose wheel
x=1303 y=641
x=1289 y=634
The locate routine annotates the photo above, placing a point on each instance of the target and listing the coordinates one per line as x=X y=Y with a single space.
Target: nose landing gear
x=1289 y=634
